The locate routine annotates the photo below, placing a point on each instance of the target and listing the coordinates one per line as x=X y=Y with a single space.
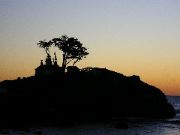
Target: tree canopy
x=72 y=49
x=46 y=45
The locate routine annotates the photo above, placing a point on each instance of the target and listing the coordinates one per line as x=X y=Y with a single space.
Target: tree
x=45 y=45
x=72 y=49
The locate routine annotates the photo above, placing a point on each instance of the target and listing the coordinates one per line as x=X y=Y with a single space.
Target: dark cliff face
x=126 y=96
x=82 y=94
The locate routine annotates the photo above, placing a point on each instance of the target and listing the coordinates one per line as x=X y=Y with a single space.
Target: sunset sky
x=140 y=37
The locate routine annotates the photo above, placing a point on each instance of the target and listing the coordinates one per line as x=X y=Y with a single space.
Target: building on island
x=50 y=68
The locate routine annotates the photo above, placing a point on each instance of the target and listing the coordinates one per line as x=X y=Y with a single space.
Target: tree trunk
x=64 y=61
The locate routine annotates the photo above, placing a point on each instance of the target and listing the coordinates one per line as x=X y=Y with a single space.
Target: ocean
x=138 y=127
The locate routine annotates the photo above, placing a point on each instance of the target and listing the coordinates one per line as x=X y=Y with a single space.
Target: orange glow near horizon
x=159 y=78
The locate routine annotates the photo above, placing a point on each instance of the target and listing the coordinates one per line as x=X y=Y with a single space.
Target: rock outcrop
x=81 y=95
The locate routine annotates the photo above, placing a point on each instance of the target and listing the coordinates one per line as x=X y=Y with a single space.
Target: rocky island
x=59 y=95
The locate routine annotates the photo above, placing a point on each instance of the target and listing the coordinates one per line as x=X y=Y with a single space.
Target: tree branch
x=75 y=62
x=70 y=61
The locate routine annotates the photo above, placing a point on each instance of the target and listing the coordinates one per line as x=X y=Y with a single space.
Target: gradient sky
x=140 y=37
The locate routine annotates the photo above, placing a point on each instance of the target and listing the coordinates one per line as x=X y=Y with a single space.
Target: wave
x=173 y=122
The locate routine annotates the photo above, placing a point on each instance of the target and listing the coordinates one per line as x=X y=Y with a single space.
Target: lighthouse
x=50 y=68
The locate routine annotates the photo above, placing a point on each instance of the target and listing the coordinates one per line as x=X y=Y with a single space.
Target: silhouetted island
x=56 y=97
x=63 y=95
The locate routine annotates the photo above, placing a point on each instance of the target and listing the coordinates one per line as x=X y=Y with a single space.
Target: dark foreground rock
x=90 y=94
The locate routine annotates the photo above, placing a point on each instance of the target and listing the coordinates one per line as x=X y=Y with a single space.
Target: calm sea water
x=153 y=127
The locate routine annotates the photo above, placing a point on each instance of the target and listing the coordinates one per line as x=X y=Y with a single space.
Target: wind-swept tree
x=78 y=53
x=46 y=45
x=72 y=49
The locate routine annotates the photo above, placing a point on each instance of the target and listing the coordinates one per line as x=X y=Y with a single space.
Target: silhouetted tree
x=46 y=45
x=72 y=49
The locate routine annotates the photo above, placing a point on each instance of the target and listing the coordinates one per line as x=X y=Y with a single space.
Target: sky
x=132 y=37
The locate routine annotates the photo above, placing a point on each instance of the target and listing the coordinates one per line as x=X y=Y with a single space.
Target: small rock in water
x=38 y=132
x=121 y=125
